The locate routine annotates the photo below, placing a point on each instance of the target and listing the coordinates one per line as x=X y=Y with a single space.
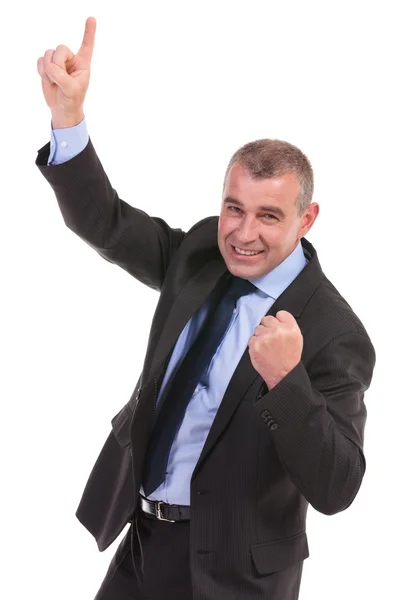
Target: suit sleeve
x=120 y=233
x=318 y=418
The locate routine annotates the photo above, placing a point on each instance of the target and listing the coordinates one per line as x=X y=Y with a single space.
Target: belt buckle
x=159 y=515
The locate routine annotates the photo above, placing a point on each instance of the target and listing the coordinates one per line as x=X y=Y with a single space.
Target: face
x=260 y=215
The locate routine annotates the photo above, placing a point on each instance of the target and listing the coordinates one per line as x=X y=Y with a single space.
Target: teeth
x=245 y=252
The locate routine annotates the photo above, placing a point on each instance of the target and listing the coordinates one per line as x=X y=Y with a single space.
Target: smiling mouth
x=241 y=252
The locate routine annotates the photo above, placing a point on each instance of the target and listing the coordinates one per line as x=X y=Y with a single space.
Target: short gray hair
x=273 y=158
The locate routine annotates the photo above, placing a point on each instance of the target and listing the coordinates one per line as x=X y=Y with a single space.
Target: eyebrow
x=272 y=209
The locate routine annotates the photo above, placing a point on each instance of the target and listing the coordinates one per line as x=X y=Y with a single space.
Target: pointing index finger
x=87 y=46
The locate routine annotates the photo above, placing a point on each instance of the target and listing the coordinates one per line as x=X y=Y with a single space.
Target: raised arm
x=90 y=206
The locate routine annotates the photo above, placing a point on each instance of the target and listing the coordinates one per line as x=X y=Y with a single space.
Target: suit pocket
x=121 y=426
x=276 y=556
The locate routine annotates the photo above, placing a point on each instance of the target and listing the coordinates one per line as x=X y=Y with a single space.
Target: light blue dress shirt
x=67 y=143
x=201 y=410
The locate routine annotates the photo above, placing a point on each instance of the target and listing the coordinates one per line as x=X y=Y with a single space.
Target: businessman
x=250 y=405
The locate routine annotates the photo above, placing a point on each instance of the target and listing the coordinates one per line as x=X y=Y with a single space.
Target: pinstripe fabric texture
x=269 y=454
x=157 y=568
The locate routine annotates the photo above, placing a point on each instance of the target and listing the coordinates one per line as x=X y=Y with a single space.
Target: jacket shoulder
x=328 y=315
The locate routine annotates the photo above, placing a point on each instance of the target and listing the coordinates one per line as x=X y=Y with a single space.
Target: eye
x=236 y=209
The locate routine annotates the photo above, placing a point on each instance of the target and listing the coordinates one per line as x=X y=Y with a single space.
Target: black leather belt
x=165 y=512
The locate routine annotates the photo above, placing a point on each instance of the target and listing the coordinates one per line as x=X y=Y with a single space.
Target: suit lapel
x=188 y=301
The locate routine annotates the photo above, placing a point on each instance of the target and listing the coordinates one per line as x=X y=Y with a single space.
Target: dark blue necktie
x=180 y=388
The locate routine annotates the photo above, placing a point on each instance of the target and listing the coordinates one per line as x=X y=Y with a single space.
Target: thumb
x=61 y=78
x=283 y=316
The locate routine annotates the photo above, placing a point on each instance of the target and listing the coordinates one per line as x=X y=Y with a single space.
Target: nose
x=247 y=231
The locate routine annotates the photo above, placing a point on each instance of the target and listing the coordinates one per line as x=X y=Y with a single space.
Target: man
x=250 y=403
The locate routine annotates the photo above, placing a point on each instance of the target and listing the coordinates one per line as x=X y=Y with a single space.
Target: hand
x=65 y=75
x=276 y=347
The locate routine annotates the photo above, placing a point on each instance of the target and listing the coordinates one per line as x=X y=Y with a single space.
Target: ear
x=307 y=220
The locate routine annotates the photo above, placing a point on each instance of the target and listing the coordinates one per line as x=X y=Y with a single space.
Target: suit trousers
x=151 y=562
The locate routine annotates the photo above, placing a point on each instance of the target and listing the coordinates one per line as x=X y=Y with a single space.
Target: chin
x=244 y=272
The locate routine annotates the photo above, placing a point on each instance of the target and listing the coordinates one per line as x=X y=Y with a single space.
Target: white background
x=176 y=88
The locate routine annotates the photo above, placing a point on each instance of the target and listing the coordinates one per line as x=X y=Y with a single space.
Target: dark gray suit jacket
x=268 y=453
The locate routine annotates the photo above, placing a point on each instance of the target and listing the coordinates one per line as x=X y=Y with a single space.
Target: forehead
x=253 y=193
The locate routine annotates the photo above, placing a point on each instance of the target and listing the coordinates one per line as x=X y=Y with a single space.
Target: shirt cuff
x=67 y=143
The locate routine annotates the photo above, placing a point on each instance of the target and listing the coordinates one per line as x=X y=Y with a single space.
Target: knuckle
x=41 y=70
x=268 y=318
x=48 y=57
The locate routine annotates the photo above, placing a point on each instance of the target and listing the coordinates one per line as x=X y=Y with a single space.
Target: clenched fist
x=276 y=347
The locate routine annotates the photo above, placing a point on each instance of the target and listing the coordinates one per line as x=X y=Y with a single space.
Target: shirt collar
x=277 y=280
